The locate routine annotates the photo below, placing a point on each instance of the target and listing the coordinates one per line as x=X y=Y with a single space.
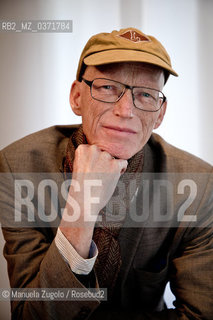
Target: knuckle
x=93 y=148
x=106 y=155
x=80 y=152
x=80 y=148
x=123 y=164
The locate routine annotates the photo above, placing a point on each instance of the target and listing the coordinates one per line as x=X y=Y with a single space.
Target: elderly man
x=121 y=233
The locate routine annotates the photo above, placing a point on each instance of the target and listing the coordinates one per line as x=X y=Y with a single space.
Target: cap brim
x=113 y=56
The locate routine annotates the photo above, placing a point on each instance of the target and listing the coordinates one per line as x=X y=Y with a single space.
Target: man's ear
x=75 y=95
x=161 y=115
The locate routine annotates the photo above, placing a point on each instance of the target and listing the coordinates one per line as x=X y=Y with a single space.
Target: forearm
x=80 y=238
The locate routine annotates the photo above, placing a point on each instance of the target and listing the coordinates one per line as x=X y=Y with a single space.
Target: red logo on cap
x=133 y=36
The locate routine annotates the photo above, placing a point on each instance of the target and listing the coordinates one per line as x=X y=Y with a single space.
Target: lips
x=120 y=129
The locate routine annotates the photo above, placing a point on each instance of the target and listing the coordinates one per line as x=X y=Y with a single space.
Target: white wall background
x=36 y=70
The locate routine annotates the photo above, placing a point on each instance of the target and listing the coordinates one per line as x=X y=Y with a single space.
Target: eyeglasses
x=110 y=91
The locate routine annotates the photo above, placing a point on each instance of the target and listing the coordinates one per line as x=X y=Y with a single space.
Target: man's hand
x=90 y=164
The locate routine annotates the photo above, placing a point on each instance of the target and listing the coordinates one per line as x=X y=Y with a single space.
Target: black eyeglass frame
x=90 y=83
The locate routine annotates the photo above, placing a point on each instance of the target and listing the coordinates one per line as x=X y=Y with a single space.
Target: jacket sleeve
x=191 y=281
x=192 y=277
x=190 y=270
x=35 y=262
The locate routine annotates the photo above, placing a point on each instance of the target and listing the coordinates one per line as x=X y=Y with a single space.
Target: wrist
x=80 y=239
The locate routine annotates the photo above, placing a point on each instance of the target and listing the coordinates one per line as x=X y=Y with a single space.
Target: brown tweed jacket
x=152 y=252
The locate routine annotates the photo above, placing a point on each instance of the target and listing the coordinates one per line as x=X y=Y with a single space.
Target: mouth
x=119 y=130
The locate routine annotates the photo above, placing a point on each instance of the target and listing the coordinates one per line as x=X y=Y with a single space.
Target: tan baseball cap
x=125 y=45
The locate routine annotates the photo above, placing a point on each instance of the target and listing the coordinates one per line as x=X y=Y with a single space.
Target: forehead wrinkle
x=127 y=72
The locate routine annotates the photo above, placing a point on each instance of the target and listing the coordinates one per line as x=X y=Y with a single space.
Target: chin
x=120 y=153
x=124 y=156
x=118 y=150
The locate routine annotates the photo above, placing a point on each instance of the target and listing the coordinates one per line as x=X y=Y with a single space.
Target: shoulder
x=43 y=137
x=38 y=151
x=166 y=157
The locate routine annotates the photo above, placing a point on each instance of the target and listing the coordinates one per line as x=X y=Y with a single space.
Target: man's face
x=118 y=128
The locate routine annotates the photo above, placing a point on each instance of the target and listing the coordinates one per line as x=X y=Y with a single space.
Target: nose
x=124 y=107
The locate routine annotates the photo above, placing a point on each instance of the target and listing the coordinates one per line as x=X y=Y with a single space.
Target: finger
x=122 y=165
x=106 y=155
x=81 y=150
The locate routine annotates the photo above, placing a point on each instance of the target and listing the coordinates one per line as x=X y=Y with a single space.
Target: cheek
x=148 y=120
x=87 y=109
x=147 y=124
x=91 y=114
